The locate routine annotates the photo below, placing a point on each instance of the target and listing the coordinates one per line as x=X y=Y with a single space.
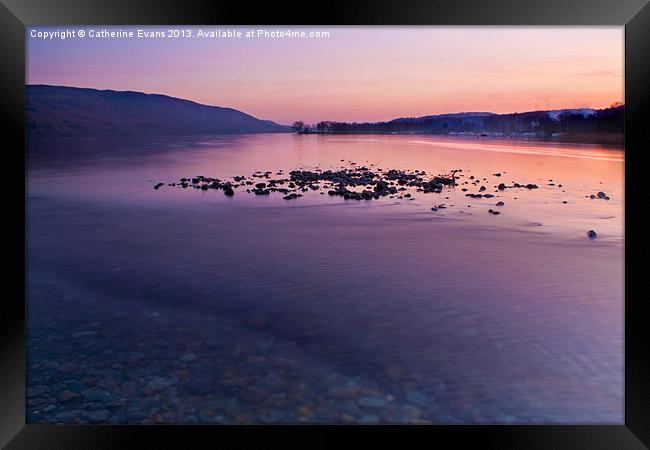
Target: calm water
x=184 y=306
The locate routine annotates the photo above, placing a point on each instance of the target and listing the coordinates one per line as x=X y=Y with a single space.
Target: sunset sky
x=357 y=74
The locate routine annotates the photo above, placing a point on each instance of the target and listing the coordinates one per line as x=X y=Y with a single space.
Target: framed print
x=393 y=220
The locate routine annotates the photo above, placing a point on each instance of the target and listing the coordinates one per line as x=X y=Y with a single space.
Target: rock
x=228 y=191
x=601 y=194
x=501 y=187
x=531 y=186
x=592 y=234
x=367 y=195
x=500 y=204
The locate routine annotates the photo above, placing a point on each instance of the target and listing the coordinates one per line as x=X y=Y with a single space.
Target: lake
x=177 y=305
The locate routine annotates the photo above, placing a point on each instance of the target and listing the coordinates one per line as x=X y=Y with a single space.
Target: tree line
x=538 y=122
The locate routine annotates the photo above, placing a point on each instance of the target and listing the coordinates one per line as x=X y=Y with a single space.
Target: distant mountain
x=446 y=116
x=584 y=112
x=71 y=111
x=538 y=123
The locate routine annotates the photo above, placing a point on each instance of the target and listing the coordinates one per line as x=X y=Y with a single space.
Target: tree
x=299 y=126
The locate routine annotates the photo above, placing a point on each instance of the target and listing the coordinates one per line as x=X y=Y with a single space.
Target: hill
x=71 y=111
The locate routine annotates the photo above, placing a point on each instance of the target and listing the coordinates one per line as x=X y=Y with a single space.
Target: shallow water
x=184 y=306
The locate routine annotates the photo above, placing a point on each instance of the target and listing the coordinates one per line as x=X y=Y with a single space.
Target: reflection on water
x=183 y=306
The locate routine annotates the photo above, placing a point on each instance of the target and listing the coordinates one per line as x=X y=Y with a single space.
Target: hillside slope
x=70 y=111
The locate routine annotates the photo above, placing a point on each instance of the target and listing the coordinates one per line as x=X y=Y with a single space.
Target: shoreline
x=605 y=138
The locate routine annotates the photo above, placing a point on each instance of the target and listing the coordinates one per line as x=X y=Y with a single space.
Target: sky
x=354 y=74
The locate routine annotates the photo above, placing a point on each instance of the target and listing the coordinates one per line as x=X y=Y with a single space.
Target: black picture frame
x=16 y=15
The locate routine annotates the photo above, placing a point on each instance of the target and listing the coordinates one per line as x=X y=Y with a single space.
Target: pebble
x=344 y=392
x=369 y=419
x=99 y=416
x=36 y=391
x=66 y=396
x=67 y=416
x=68 y=367
x=157 y=384
x=188 y=357
x=372 y=402
x=417 y=398
x=200 y=384
x=253 y=394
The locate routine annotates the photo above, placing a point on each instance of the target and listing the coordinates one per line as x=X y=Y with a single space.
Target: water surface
x=184 y=306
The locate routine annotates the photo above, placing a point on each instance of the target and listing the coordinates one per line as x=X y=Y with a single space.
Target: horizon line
x=325 y=120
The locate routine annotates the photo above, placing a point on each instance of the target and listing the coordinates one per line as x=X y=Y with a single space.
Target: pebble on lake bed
x=592 y=234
